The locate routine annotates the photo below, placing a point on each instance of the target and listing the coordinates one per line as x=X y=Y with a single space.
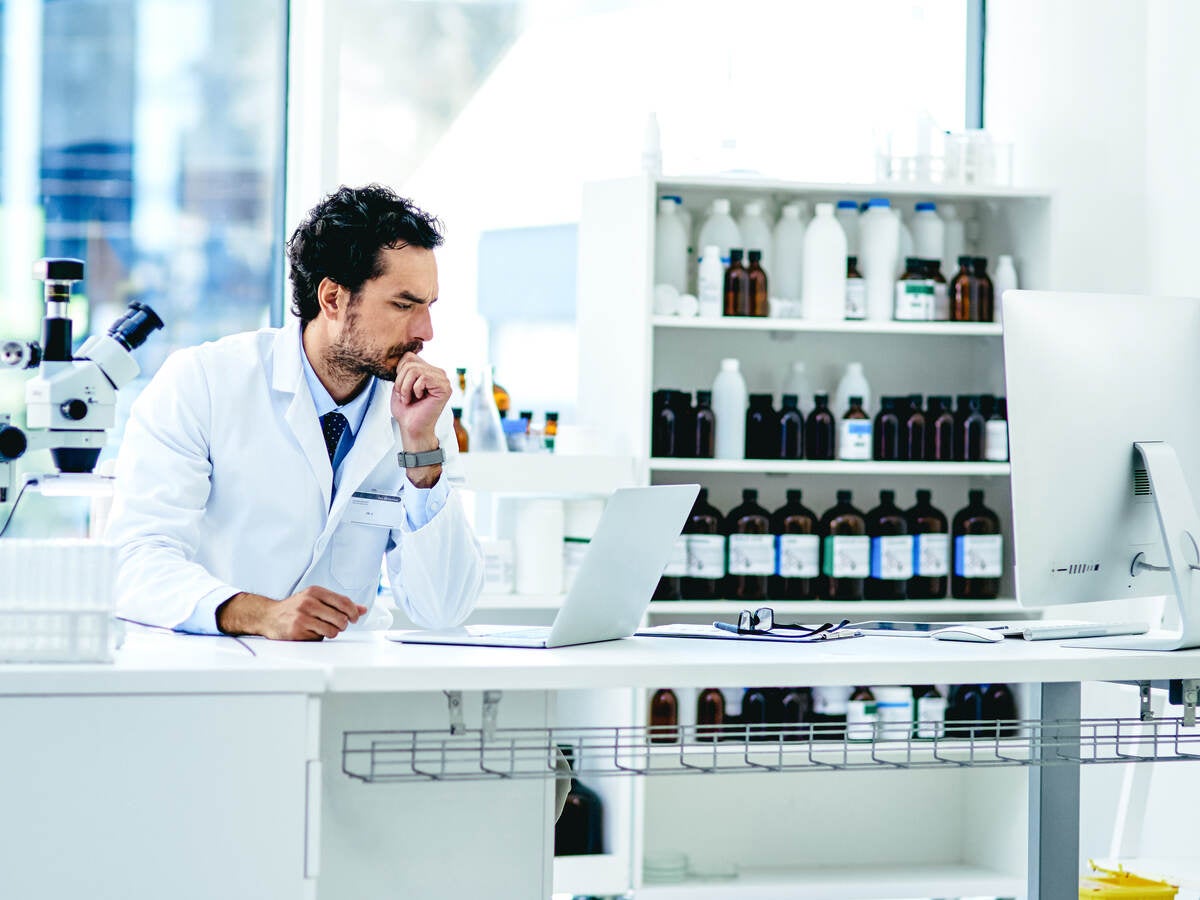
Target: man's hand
x=312 y=614
x=419 y=395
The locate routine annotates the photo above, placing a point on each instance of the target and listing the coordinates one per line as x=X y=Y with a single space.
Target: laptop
x=624 y=561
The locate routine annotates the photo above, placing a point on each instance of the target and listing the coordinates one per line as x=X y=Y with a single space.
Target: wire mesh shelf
x=476 y=755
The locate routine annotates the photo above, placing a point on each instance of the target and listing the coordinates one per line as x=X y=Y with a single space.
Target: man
x=263 y=477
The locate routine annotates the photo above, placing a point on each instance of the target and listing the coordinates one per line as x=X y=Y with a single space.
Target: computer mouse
x=976 y=633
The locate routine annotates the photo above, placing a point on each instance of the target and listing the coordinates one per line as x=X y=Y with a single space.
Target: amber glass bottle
x=968 y=445
x=503 y=401
x=962 y=292
x=941 y=429
x=791 y=429
x=978 y=552
x=664 y=717
x=891 y=550
x=984 y=299
x=912 y=431
x=819 y=430
x=751 y=549
x=705 y=579
x=758 y=285
x=710 y=714
x=580 y=828
x=737 y=286
x=461 y=375
x=798 y=534
x=931 y=555
x=550 y=435
x=845 y=551
x=460 y=431
x=887 y=433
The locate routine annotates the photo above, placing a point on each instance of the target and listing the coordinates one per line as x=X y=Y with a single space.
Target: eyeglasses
x=762 y=621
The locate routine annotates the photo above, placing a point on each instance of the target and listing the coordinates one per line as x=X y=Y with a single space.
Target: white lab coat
x=224 y=485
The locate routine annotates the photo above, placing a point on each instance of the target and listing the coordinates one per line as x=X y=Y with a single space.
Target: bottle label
x=677 y=565
x=979 y=555
x=895 y=719
x=914 y=300
x=706 y=555
x=931 y=555
x=941 y=302
x=856 y=298
x=856 y=439
x=752 y=554
x=799 y=555
x=995 y=441
x=847 y=556
x=892 y=557
x=931 y=718
x=861 y=717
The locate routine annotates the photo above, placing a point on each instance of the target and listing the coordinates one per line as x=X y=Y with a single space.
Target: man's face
x=388 y=316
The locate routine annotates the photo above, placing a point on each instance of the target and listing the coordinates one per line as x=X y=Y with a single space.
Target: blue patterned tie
x=333 y=425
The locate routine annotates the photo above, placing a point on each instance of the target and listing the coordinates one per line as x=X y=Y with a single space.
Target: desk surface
x=365 y=662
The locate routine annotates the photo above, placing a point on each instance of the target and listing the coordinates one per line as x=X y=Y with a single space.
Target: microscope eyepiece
x=132 y=329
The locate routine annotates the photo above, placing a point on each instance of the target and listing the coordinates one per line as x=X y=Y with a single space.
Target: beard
x=353 y=356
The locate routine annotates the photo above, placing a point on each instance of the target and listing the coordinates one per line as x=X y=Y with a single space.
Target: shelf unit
x=614 y=310
x=545 y=474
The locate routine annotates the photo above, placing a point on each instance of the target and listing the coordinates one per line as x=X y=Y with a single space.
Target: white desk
x=190 y=768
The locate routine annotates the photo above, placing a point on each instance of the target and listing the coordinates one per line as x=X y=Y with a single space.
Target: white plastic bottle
x=796 y=382
x=929 y=233
x=711 y=280
x=729 y=402
x=954 y=240
x=1004 y=279
x=906 y=243
x=788 y=255
x=686 y=218
x=853 y=384
x=719 y=230
x=756 y=235
x=824 y=276
x=879 y=234
x=847 y=216
x=670 y=247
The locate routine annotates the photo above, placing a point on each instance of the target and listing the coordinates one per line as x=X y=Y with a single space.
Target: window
x=146 y=138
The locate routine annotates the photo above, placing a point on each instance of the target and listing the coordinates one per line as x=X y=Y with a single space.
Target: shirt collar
x=354 y=411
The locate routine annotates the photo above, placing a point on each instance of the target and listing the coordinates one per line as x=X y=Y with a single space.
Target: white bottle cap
x=721 y=206
x=1004 y=258
x=667 y=207
x=791 y=211
x=730 y=365
x=824 y=209
x=754 y=208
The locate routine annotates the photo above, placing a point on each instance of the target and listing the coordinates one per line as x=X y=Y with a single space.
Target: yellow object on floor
x=1122 y=885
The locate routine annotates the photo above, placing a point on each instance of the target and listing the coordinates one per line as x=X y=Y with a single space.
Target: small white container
x=711 y=283
x=852 y=384
x=847 y=216
x=824 y=275
x=788 y=257
x=954 y=239
x=729 y=402
x=894 y=706
x=929 y=232
x=499 y=572
x=539 y=535
x=879 y=231
x=719 y=230
x=670 y=247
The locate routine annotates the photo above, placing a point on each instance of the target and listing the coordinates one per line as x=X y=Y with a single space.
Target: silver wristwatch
x=425 y=458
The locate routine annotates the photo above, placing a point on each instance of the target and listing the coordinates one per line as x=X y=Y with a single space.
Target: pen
x=725 y=626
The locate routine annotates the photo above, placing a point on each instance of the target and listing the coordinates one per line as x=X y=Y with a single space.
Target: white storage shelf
x=741 y=323
x=546 y=474
x=836 y=191
x=852 y=883
x=829 y=467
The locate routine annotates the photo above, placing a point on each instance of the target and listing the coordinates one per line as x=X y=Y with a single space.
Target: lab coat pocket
x=356 y=555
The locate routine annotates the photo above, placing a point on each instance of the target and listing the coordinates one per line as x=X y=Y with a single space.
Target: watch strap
x=417 y=460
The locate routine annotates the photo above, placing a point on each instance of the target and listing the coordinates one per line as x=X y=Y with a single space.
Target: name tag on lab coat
x=367 y=508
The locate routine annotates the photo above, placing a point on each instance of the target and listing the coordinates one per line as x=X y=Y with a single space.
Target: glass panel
x=146 y=138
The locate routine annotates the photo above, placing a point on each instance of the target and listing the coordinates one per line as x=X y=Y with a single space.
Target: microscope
x=71 y=401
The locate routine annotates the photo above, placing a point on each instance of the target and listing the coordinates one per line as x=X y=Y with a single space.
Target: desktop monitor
x=1104 y=442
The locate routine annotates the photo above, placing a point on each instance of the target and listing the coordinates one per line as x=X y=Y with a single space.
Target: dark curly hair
x=341 y=237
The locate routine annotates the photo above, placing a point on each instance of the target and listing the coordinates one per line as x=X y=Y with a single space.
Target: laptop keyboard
x=518 y=632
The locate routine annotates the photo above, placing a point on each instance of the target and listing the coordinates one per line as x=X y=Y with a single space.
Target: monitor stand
x=1180 y=526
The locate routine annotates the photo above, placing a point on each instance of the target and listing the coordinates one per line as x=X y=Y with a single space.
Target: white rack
x=785 y=326
x=831 y=468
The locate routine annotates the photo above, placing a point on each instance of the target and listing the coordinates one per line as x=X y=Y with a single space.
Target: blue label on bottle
x=892 y=557
x=979 y=556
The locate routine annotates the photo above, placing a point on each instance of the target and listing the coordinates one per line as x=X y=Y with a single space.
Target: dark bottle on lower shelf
x=704 y=427
x=762 y=428
x=580 y=829
x=798 y=538
x=760 y=715
x=751 y=549
x=706 y=544
x=964 y=706
x=819 y=430
x=794 y=707
x=791 y=429
x=931 y=550
x=891 y=551
x=710 y=714
x=978 y=550
x=845 y=551
x=664 y=717
x=940 y=430
x=665 y=425
x=999 y=705
x=968 y=446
